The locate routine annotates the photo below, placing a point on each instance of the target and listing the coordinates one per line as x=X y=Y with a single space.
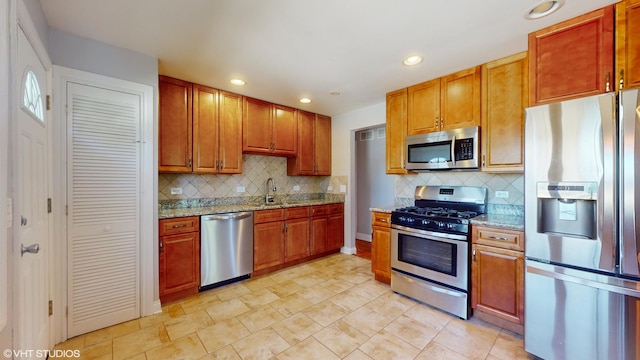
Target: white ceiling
x=287 y=49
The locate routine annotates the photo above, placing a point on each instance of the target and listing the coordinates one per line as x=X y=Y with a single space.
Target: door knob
x=23 y=220
x=32 y=249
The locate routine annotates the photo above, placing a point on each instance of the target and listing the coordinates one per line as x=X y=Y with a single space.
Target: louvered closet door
x=103 y=222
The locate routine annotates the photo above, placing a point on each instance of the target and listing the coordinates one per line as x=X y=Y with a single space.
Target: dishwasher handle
x=228 y=216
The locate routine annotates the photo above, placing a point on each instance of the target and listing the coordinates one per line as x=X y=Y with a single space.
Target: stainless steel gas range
x=430 y=244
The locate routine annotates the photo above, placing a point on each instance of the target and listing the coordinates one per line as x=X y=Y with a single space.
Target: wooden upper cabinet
x=628 y=44
x=269 y=129
x=423 y=107
x=200 y=129
x=174 y=130
x=460 y=99
x=205 y=130
x=573 y=58
x=285 y=130
x=230 y=129
x=505 y=89
x=449 y=102
x=396 y=131
x=323 y=145
x=314 y=146
x=256 y=124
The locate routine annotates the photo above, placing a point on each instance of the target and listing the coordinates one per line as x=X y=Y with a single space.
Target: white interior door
x=104 y=191
x=31 y=201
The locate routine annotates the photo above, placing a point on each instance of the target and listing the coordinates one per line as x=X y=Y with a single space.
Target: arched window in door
x=32 y=96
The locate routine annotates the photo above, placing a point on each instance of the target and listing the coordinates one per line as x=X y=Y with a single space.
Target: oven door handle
x=433 y=288
x=453 y=151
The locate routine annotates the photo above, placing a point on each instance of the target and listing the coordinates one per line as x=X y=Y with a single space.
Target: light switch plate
x=502 y=194
x=240 y=189
x=329 y=188
x=296 y=187
x=343 y=188
x=176 y=191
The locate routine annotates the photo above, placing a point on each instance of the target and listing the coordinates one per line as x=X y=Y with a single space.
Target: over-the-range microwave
x=444 y=150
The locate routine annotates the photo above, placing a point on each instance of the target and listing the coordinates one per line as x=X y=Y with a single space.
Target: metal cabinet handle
x=484 y=160
x=179 y=226
x=437 y=120
x=31 y=249
x=498 y=238
x=474 y=254
x=190 y=162
x=621 y=79
x=608 y=83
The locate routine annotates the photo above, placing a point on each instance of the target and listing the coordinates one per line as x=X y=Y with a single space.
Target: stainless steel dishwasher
x=226 y=248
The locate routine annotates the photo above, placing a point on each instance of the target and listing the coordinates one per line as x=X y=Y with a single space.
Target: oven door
x=438 y=257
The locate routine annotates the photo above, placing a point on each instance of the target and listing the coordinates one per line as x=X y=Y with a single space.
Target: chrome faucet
x=269 y=198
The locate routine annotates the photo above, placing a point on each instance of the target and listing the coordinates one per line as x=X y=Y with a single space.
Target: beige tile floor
x=330 y=308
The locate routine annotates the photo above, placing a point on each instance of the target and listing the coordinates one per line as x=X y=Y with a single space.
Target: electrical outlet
x=502 y=194
x=240 y=189
x=296 y=187
x=329 y=188
x=176 y=191
x=343 y=188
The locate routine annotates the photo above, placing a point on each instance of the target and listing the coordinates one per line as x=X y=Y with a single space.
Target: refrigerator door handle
x=629 y=164
x=634 y=292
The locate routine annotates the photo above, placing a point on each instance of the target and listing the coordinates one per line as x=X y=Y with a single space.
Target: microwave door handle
x=453 y=151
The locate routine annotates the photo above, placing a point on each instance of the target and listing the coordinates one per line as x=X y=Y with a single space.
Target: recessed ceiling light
x=237 y=82
x=543 y=8
x=305 y=100
x=412 y=60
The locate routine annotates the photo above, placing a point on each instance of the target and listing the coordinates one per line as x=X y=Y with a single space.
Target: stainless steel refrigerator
x=582 y=196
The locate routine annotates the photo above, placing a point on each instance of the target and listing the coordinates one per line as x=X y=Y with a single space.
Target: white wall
x=343 y=128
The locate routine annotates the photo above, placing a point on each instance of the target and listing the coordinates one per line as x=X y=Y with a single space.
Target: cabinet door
x=268 y=245
x=381 y=253
x=396 y=131
x=335 y=228
x=628 y=44
x=205 y=130
x=505 y=89
x=318 y=237
x=179 y=262
x=174 y=129
x=304 y=162
x=256 y=126
x=423 y=112
x=230 y=129
x=323 y=145
x=573 y=58
x=460 y=99
x=296 y=239
x=285 y=131
x=498 y=282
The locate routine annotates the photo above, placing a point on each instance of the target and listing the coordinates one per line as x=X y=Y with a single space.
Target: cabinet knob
x=608 y=83
x=474 y=254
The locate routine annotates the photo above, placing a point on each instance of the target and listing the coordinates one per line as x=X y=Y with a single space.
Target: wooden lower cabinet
x=179 y=261
x=285 y=237
x=381 y=246
x=497 y=283
x=268 y=245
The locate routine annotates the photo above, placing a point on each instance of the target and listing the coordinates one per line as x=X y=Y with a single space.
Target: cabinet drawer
x=179 y=225
x=499 y=237
x=263 y=216
x=335 y=208
x=380 y=219
x=318 y=210
x=296 y=212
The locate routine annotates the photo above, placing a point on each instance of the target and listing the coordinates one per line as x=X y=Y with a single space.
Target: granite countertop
x=384 y=209
x=221 y=209
x=503 y=221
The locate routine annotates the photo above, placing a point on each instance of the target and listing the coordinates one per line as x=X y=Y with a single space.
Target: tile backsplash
x=512 y=183
x=256 y=169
